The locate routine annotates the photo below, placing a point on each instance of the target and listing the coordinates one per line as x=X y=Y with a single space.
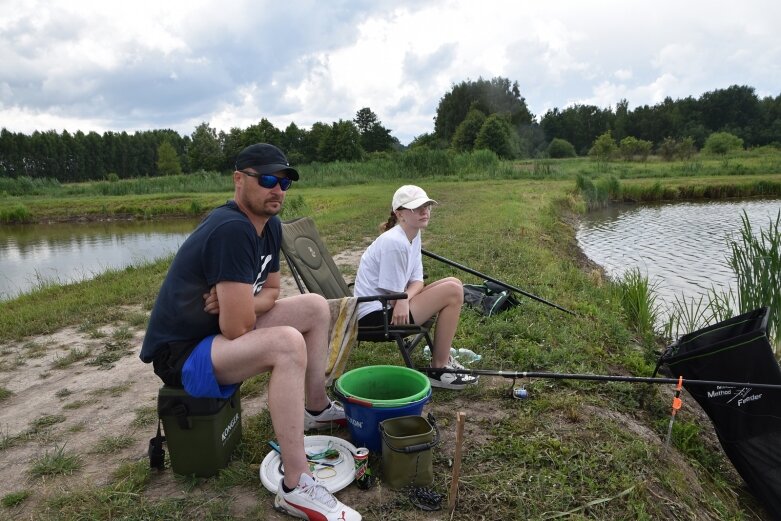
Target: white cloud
x=89 y=64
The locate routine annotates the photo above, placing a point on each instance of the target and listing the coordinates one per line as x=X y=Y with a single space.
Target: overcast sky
x=110 y=65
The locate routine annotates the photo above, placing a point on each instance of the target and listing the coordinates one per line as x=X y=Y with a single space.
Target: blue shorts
x=198 y=373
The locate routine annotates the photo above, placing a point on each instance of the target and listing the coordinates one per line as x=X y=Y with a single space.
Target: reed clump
x=755 y=259
x=598 y=193
x=17 y=213
x=609 y=189
x=639 y=301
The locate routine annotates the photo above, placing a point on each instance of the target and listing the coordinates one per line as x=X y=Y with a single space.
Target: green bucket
x=384 y=385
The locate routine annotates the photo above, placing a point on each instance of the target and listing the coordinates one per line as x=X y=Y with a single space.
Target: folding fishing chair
x=315 y=271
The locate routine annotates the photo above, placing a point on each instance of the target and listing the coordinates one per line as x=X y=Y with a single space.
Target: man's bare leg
x=282 y=351
x=308 y=314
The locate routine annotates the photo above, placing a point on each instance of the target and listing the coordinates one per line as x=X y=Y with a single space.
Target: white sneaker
x=450 y=380
x=312 y=501
x=333 y=415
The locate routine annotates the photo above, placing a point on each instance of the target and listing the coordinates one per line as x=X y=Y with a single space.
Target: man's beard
x=262 y=210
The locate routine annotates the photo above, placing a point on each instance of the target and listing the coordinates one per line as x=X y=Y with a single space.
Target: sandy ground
x=76 y=406
x=57 y=405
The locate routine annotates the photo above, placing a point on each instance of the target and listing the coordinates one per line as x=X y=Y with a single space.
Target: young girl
x=393 y=264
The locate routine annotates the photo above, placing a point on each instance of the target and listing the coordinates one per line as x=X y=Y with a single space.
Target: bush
x=421 y=161
x=667 y=149
x=496 y=135
x=631 y=148
x=721 y=143
x=559 y=148
x=604 y=148
x=683 y=149
x=467 y=131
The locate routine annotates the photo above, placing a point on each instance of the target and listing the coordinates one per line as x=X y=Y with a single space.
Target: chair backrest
x=310 y=260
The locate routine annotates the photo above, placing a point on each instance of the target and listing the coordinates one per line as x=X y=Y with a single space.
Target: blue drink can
x=520 y=393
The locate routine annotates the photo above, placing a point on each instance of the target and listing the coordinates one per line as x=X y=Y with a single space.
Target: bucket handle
x=344 y=398
x=420 y=447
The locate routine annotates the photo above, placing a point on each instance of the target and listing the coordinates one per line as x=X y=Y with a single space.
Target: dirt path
x=65 y=397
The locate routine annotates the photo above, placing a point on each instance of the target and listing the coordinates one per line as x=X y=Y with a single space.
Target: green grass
x=600 y=191
x=591 y=449
x=145 y=416
x=96 y=301
x=14 y=499
x=195 y=194
x=17 y=213
x=63 y=393
x=113 y=444
x=34 y=349
x=638 y=298
x=756 y=262
x=113 y=351
x=56 y=462
x=73 y=356
x=138 y=319
x=688 y=314
x=114 y=390
x=44 y=422
x=5 y=394
x=78 y=404
x=122 y=334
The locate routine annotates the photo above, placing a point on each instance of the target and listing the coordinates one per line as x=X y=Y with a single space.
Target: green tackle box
x=201 y=433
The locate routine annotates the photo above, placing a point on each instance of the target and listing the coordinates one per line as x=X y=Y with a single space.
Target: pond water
x=680 y=246
x=32 y=254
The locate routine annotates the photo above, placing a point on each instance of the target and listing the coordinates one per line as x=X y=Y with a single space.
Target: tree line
x=81 y=157
x=492 y=114
x=472 y=115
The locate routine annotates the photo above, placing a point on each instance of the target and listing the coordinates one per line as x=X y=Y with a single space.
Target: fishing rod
x=495 y=281
x=434 y=371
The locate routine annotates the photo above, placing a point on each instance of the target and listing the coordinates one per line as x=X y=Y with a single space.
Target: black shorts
x=376 y=319
x=168 y=362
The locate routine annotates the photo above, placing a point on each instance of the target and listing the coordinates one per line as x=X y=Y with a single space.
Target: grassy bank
x=574 y=450
x=738 y=175
x=600 y=191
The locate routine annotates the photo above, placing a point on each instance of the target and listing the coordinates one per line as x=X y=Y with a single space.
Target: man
x=217 y=322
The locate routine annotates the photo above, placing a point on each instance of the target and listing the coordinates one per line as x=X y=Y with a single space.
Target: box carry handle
x=182 y=416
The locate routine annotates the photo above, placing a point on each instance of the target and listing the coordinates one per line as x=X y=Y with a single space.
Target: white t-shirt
x=388 y=265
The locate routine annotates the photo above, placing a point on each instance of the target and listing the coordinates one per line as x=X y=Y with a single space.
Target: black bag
x=747 y=420
x=489 y=298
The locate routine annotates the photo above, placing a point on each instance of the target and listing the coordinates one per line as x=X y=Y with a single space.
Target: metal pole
x=496 y=281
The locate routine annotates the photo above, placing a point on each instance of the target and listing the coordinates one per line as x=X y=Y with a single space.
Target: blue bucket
x=365 y=406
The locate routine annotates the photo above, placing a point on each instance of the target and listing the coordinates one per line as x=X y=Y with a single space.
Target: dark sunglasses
x=269 y=181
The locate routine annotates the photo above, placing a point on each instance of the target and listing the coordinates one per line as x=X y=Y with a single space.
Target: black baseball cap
x=265 y=159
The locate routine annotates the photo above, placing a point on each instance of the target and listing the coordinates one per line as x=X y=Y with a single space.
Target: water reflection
x=31 y=254
x=683 y=246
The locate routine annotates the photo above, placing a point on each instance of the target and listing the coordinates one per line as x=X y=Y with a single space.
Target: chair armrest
x=383 y=298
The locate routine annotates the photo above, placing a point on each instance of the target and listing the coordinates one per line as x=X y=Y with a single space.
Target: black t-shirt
x=224 y=247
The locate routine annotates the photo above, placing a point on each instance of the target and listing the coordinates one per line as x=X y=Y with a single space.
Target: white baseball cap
x=410 y=196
